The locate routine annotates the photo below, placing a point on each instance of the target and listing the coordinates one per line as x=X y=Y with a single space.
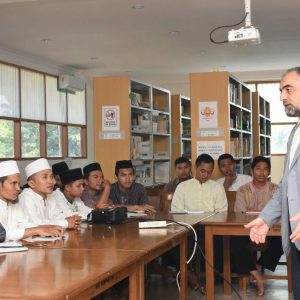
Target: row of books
x=239 y=148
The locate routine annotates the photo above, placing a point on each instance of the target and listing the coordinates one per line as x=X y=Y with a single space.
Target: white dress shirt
x=13 y=220
x=40 y=211
x=240 y=180
x=67 y=208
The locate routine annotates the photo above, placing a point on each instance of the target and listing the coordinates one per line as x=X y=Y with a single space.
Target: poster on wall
x=110 y=118
x=208 y=114
x=213 y=148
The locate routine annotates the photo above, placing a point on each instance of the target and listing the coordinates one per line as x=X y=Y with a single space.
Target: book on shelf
x=246 y=147
x=161 y=172
x=141 y=121
x=235 y=146
x=139 y=100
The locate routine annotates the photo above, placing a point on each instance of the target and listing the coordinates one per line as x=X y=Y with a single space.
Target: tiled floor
x=166 y=289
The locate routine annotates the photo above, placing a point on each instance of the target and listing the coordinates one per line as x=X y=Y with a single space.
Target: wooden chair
x=165 y=201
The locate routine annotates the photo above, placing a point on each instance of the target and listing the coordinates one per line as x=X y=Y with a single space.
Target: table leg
x=209 y=271
x=183 y=269
x=226 y=264
x=137 y=285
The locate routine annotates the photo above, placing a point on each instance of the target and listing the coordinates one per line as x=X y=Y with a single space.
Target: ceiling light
x=137 y=6
x=174 y=32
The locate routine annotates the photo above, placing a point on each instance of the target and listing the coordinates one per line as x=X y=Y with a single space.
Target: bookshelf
x=144 y=133
x=261 y=126
x=181 y=127
x=234 y=121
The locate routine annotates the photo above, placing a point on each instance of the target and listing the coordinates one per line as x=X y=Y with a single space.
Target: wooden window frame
x=43 y=124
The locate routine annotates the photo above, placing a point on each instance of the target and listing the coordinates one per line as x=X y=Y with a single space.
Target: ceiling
x=109 y=37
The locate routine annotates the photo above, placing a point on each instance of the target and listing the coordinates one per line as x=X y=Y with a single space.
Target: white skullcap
x=37 y=166
x=8 y=167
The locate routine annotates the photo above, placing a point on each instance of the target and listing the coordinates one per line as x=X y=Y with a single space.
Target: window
x=7 y=139
x=54 y=148
x=30 y=139
x=281 y=124
x=37 y=119
x=74 y=138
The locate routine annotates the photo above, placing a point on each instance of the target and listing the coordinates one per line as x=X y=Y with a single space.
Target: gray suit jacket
x=2 y=233
x=286 y=201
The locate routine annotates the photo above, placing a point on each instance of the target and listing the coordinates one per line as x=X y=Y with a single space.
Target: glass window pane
x=76 y=108
x=32 y=95
x=55 y=101
x=9 y=91
x=74 y=141
x=54 y=141
x=270 y=91
x=30 y=139
x=280 y=134
x=6 y=139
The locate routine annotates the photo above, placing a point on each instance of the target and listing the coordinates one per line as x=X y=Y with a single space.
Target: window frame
x=43 y=124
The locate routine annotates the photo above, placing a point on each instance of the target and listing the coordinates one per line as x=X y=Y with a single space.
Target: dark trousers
x=295 y=271
x=242 y=260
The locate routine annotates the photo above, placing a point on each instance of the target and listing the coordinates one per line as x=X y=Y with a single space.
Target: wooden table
x=225 y=224
x=66 y=273
x=148 y=243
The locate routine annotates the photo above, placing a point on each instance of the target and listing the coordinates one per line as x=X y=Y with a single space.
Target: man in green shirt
x=200 y=193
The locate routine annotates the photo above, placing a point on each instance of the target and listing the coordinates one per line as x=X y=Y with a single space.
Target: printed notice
x=208 y=114
x=213 y=148
x=110 y=118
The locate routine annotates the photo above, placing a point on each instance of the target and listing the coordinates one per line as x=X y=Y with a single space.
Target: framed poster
x=208 y=114
x=110 y=118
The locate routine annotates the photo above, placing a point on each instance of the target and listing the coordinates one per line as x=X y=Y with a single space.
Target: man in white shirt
x=231 y=180
x=34 y=200
x=200 y=193
x=68 y=196
x=11 y=216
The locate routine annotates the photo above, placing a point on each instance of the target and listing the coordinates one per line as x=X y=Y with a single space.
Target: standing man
x=285 y=203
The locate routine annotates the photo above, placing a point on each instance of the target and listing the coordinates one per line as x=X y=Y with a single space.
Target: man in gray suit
x=285 y=203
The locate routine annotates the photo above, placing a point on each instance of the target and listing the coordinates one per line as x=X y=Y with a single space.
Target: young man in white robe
x=34 y=200
x=67 y=197
x=16 y=224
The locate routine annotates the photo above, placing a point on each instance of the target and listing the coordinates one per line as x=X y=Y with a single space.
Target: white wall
x=48 y=67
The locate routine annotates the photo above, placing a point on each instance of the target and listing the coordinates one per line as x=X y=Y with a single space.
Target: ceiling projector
x=244 y=36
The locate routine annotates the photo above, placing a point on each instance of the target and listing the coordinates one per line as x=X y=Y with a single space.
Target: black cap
x=71 y=175
x=59 y=168
x=91 y=167
x=123 y=164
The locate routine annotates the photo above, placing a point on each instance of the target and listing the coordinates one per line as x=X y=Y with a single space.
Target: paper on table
x=186 y=212
x=253 y=212
x=135 y=214
x=42 y=239
x=11 y=247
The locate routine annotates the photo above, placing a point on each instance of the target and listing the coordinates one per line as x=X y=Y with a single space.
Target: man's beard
x=292 y=111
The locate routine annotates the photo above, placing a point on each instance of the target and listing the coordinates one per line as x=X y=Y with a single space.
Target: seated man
x=57 y=169
x=126 y=192
x=96 y=188
x=231 y=180
x=200 y=193
x=183 y=173
x=11 y=214
x=34 y=200
x=253 y=196
x=68 y=196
